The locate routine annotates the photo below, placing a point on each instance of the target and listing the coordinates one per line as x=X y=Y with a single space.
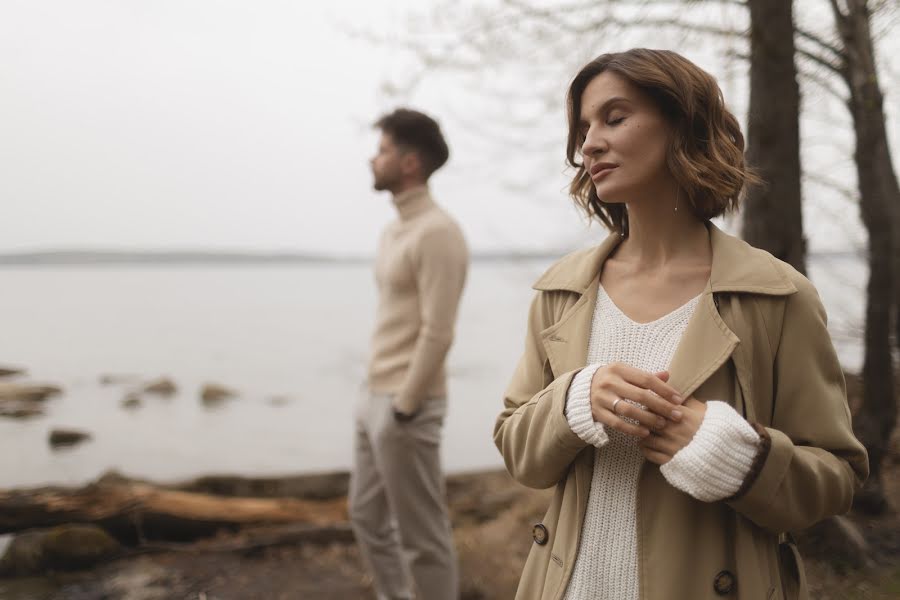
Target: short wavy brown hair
x=706 y=151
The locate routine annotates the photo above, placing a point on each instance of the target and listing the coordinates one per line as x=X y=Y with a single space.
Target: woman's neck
x=659 y=235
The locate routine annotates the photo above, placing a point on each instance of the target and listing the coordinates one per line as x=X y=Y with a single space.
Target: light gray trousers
x=397 y=501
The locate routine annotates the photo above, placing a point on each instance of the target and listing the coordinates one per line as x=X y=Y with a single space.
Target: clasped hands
x=662 y=420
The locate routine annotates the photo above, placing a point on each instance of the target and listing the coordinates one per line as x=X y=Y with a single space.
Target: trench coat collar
x=736 y=267
x=707 y=341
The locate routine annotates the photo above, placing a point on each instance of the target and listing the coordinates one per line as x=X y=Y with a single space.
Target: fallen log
x=254 y=540
x=137 y=512
x=315 y=486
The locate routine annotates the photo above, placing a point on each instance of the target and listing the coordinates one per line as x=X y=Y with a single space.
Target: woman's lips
x=601 y=170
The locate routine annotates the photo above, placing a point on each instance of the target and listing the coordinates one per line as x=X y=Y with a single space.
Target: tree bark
x=772 y=216
x=879 y=200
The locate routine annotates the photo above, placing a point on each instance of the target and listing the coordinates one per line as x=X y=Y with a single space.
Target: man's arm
x=441 y=262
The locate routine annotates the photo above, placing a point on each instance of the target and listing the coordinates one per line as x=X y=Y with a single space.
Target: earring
x=676 y=201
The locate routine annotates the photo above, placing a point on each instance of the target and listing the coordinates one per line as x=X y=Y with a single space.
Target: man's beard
x=382 y=183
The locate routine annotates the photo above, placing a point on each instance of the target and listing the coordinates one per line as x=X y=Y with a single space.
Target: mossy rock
x=63 y=548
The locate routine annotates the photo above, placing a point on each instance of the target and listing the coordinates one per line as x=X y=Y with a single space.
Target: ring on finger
x=615 y=402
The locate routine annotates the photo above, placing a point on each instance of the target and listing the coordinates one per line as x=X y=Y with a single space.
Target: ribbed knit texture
x=606 y=567
x=578 y=408
x=716 y=462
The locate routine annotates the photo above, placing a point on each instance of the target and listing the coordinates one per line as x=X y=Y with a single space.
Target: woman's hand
x=660 y=402
x=661 y=445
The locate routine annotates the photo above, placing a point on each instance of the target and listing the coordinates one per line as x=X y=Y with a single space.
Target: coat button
x=540 y=535
x=724 y=583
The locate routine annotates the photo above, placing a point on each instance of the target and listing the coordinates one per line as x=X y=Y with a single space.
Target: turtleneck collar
x=412 y=202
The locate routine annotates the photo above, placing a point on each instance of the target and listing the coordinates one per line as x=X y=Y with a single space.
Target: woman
x=678 y=387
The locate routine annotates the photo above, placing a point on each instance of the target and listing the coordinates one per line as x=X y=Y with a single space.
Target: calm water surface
x=291 y=339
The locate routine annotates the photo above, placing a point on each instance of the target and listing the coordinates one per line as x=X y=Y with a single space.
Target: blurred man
x=397 y=494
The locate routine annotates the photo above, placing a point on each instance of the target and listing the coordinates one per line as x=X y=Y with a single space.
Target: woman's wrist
x=720 y=457
x=578 y=409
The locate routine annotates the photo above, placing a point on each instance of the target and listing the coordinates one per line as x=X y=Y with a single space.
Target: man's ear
x=411 y=164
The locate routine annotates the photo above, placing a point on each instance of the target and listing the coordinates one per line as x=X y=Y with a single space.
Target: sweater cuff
x=717 y=461
x=578 y=409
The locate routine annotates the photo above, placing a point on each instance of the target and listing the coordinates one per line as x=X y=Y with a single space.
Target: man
x=397 y=495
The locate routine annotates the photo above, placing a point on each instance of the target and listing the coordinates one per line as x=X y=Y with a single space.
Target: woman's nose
x=594 y=143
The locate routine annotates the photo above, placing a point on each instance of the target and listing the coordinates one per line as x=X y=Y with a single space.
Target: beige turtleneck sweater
x=420 y=271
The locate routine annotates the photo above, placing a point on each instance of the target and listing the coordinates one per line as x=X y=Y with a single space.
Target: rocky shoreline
x=21 y=399
x=189 y=530
x=310 y=553
x=228 y=537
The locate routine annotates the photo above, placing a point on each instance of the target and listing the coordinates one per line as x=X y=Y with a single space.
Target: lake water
x=299 y=333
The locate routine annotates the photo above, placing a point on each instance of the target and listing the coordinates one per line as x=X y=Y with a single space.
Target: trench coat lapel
x=566 y=341
x=566 y=345
x=706 y=344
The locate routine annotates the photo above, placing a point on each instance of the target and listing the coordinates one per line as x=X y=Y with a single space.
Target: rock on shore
x=213 y=393
x=65 y=547
x=163 y=387
x=18 y=409
x=31 y=392
x=67 y=437
x=24 y=400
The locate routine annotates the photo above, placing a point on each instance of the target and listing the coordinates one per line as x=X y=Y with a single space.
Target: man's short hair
x=419 y=133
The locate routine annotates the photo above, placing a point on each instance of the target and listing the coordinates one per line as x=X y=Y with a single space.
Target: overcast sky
x=128 y=124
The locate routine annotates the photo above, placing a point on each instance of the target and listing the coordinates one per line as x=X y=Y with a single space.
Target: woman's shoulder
x=576 y=271
x=762 y=277
x=740 y=267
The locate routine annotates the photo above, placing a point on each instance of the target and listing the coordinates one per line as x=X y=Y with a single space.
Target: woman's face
x=624 y=140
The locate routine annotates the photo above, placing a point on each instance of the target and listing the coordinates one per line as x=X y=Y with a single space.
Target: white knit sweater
x=606 y=566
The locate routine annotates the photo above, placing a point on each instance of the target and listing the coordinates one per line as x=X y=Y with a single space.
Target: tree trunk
x=879 y=199
x=772 y=214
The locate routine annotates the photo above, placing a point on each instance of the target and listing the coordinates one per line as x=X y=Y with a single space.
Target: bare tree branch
x=847 y=193
x=592 y=4
x=553 y=16
x=824 y=84
x=807 y=35
x=836 y=69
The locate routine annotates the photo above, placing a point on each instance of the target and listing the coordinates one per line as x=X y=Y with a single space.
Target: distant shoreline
x=202 y=258
x=88 y=258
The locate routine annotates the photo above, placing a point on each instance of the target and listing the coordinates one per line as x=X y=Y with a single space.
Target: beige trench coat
x=758 y=341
